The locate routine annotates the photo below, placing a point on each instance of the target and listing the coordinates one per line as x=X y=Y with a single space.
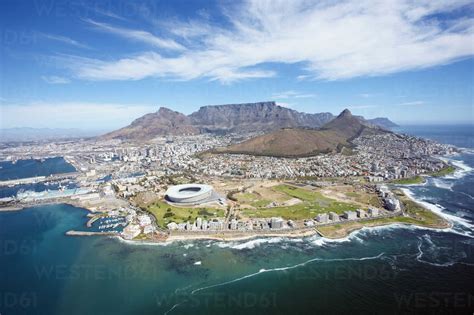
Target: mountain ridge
x=220 y=119
x=333 y=137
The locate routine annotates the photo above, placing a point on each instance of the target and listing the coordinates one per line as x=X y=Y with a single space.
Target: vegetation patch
x=313 y=204
x=165 y=213
x=444 y=171
x=343 y=229
x=409 y=181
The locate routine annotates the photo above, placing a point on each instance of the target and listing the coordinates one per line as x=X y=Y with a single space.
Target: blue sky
x=100 y=64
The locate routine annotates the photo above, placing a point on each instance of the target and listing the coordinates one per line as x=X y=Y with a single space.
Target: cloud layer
x=327 y=40
x=106 y=116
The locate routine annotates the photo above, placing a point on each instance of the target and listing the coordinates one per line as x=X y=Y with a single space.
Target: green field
x=165 y=213
x=423 y=216
x=313 y=203
x=343 y=229
x=443 y=172
x=418 y=213
x=409 y=181
x=252 y=199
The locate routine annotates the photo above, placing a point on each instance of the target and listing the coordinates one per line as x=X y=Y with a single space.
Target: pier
x=39 y=179
x=86 y=233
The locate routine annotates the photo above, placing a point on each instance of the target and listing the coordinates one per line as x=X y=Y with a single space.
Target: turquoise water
x=382 y=270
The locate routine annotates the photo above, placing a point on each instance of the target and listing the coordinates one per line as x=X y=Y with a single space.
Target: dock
x=86 y=233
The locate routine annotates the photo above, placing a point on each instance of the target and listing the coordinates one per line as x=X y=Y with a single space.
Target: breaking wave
x=285 y=268
x=439 y=211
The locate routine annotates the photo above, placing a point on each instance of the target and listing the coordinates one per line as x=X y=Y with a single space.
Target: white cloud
x=292 y=94
x=109 y=14
x=82 y=115
x=55 y=79
x=331 y=40
x=64 y=39
x=413 y=103
x=284 y=104
x=137 y=35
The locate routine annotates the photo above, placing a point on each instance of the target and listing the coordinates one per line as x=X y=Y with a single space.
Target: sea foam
x=439 y=211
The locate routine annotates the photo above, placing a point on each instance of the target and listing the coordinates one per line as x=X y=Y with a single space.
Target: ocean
x=32 y=168
x=388 y=269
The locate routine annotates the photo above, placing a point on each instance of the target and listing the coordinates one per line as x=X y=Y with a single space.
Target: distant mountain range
x=221 y=119
x=332 y=137
x=383 y=122
x=25 y=134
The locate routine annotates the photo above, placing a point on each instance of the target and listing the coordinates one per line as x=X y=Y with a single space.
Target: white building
x=373 y=212
x=322 y=218
x=189 y=193
x=144 y=220
x=392 y=203
x=333 y=216
x=276 y=223
x=350 y=215
x=361 y=213
x=131 y=231
x=172 y=226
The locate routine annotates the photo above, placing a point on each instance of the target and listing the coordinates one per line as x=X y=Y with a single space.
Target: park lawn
x=300 y=193
x=424 y=216
x=365 y=198
x=409 y=181
x=260 y=203
x=252 y=199
x=246 y=197
x=443 y=172
x=353 y=194
x=417 y=216
x=313 y=204
x=165 y=213
x=343 y=229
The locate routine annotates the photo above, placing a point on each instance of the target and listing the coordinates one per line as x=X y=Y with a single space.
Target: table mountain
x=250 y=117
x=262 y=116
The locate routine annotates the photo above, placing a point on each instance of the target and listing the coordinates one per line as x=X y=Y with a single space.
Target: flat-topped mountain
x=262 y=116
x=249 y=117
x=332 y=137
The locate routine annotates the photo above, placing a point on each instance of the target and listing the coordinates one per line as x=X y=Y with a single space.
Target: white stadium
x=190 y=193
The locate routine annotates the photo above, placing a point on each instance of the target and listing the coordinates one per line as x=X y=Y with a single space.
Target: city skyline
x=100 y=65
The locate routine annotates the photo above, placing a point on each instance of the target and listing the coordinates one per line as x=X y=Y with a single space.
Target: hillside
x=164 y=122
x=289 y=143
x=220 y=119
x=332 y=137
x=383 y=122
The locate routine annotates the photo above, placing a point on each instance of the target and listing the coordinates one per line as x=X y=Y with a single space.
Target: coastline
x=243 y=236
x=338 y=231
